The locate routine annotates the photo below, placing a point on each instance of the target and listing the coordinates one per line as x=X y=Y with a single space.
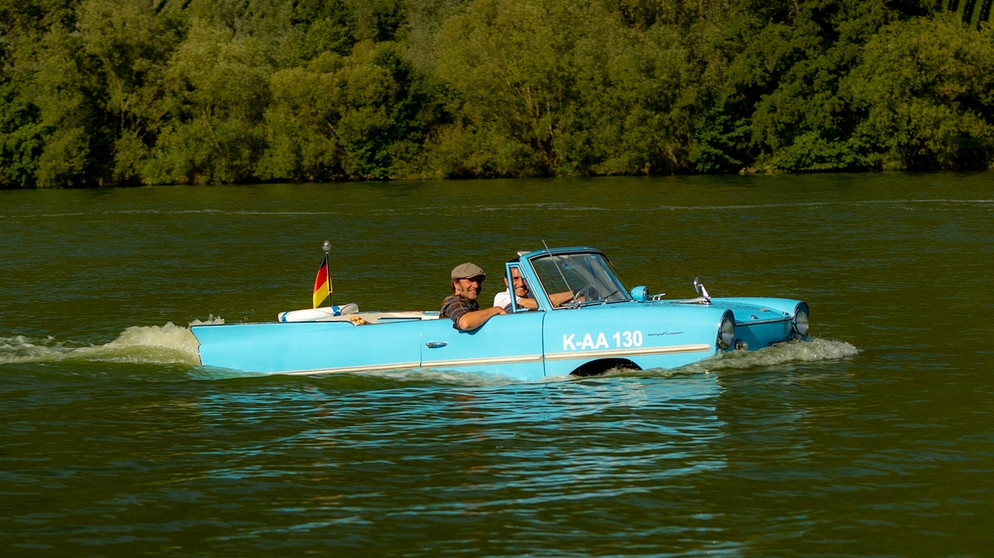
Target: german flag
x=322 y=283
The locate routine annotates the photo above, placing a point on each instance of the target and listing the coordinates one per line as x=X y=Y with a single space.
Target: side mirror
x=640 y=293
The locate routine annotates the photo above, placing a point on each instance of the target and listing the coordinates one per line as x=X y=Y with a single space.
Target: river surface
x=875 y=438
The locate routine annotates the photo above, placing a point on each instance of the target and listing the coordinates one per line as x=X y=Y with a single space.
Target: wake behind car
x=601 y=326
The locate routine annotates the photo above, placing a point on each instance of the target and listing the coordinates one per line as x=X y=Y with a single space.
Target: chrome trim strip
x=415 y=365
x=455 y=363
x=762 y=322
x=519 y=359
x=702 y=347
x=347 y=369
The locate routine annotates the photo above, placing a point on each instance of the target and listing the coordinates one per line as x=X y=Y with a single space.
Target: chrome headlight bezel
x=726 y=332
x=801 y=322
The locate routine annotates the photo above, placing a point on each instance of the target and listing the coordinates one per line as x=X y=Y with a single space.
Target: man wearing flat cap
x=462 y=306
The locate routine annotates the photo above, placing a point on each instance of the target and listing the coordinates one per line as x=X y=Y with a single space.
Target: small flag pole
x=322 y=282
x=326 y=246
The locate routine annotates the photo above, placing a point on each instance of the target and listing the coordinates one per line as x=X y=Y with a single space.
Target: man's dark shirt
x=455 y=306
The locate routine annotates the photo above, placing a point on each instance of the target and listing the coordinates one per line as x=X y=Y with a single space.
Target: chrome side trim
x=347 y=369
x=518 y=359
x=525 y=359
x=697 y=348
x=762 y=322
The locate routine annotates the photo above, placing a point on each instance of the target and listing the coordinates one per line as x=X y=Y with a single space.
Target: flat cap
x=467 y=270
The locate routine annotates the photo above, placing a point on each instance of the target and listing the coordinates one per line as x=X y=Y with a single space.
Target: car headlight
x=800 y=322
x=726 y=333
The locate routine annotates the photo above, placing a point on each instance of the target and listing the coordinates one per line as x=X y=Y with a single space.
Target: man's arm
x=558 y=299
x=503 y=299
x=529 y=303
x=472 y=320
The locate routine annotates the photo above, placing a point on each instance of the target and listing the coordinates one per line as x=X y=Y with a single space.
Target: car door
x=508 y=344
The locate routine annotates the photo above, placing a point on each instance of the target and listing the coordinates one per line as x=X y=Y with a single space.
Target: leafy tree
x=645 y=14
x=67 y=130
x=926 y=87
x=377 y=20
x=319 y=26
x=21 y=140
x=784 y=79
x=20 y=18
x=638 y=113
x=215 y=98
x=564 y=88
x=424 y=19
x=301 y=146
x=202 y=91
x=356 y=116
x=46 y=115
x=336 y=26
x=130 y=42
x=500 y=57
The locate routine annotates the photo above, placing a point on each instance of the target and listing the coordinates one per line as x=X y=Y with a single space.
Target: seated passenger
x=461 y=306
x=521 y=294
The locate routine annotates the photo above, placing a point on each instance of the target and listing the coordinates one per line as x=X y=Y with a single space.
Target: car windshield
x=589 y=276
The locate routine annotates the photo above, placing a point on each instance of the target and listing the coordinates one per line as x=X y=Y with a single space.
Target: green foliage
x=109 y=92
x=501 y=55
x=344 y=116
x=29 y=17
x=561 y=89
x=20 y=135
x=129 y=40
x=66 y=132
x=215 y=97
x=927 y=90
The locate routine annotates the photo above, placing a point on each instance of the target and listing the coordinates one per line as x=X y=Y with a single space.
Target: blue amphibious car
x=603 y=327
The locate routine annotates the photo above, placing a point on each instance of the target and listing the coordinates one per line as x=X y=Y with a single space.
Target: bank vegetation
x=129 y=92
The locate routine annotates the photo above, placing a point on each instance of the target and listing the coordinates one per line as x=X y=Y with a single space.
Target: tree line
x=129 y=92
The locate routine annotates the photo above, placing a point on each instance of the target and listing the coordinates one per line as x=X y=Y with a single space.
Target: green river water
x=875 y=438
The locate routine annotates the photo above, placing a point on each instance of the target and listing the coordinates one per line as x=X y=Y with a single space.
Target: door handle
x=435 y=344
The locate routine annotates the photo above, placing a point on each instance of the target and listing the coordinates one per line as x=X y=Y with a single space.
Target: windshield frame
x=588 y=274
